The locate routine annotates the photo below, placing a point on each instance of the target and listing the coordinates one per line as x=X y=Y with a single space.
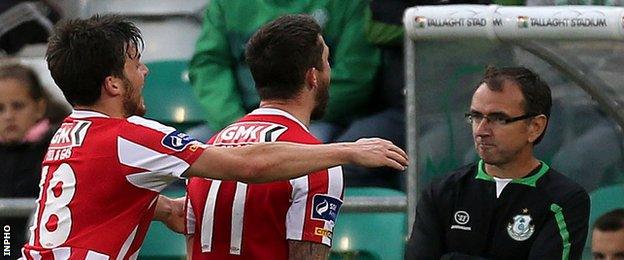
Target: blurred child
x=24 y=137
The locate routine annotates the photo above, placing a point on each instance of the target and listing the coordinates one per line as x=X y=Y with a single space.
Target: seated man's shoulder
x=560 y=187
x=455 y=177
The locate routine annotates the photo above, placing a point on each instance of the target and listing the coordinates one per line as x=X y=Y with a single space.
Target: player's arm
x=563 y=235
x=306 y=250
x=170 y=212
x=267 y=162
x=189 y=246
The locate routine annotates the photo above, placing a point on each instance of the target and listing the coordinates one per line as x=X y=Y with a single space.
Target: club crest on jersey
x=249 y=132
x=177 y=140
x=325 y=208
x=520 y=229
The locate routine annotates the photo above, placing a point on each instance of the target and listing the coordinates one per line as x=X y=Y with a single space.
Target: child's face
x=18 y=110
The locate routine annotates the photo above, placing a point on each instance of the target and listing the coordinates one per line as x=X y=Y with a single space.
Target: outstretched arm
x=268 y=162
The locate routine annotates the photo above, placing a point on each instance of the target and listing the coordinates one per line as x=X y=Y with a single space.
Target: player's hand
x=171 y=213
x=376 y=152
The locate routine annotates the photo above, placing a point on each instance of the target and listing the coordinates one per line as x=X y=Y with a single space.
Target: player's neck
x=105 y=107
x=298 y=110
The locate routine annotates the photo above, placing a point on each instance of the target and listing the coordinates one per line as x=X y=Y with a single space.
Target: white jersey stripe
x=33 y=227
x=155 y=181
x=126 y=245
x=34 y=254
x=135 y=255
x=61 y=253
x=152 y=203
x=136 y=155
x=190 y=218
x=208 y=217
x=137 y=120
x=91 y=255
x=238 y=212
x=295 y=218
x=335 y=182
x=335 y=189
x=327 y=240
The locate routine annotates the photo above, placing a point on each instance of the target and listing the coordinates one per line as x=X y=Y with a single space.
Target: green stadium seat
x=168 y=94
x=160 y=242
x=369 y=235
x=603 y=200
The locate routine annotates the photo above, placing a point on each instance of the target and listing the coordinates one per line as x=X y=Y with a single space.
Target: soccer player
x=292 y=219
x=509 y=205
x=106 y=164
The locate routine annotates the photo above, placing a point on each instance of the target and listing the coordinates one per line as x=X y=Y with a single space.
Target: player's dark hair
x=280 y=53
x=26 y=76
x=611 y=221
x=83 y=52
x=536 y=93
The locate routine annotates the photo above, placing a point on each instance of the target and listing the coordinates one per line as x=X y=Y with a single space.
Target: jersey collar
x=278 y=112
x=86 y=114
x=529 y=180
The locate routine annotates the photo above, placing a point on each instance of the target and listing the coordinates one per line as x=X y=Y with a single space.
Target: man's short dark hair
x=536 y=93
x=83 y=52
x=611 y=221
x=280 y=53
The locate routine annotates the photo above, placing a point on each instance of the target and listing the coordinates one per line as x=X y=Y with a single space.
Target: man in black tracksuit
x=509 y=205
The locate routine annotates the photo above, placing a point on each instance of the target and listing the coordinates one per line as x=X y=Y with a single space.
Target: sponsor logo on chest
x=249 y=132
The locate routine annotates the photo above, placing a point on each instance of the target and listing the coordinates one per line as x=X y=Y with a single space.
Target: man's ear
x=536 y=127
x=311 y=78
x=112 y=86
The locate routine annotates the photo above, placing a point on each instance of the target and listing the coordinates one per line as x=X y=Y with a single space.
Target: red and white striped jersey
x=99 y=184
x=234 y=220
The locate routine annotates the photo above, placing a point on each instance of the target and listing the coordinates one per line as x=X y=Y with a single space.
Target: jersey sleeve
x=316 y=201
x=156 y=148
x=564 y=234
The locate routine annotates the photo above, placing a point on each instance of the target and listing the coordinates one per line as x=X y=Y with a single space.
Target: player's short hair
x=26 y=76
x=280 y=53
x=83 y=52
x=536 y=92
x=611 y=221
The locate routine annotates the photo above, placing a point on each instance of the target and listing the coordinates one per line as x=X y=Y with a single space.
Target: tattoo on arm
x=304 y=250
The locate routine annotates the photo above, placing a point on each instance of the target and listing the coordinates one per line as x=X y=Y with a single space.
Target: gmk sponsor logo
x=6 y=241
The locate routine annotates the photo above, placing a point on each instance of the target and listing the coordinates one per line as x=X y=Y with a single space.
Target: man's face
x=323 y=76
x=499 y=144
x=608 y=245
x=134 y=78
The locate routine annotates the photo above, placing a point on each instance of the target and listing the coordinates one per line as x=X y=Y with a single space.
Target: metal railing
x=23 y=207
